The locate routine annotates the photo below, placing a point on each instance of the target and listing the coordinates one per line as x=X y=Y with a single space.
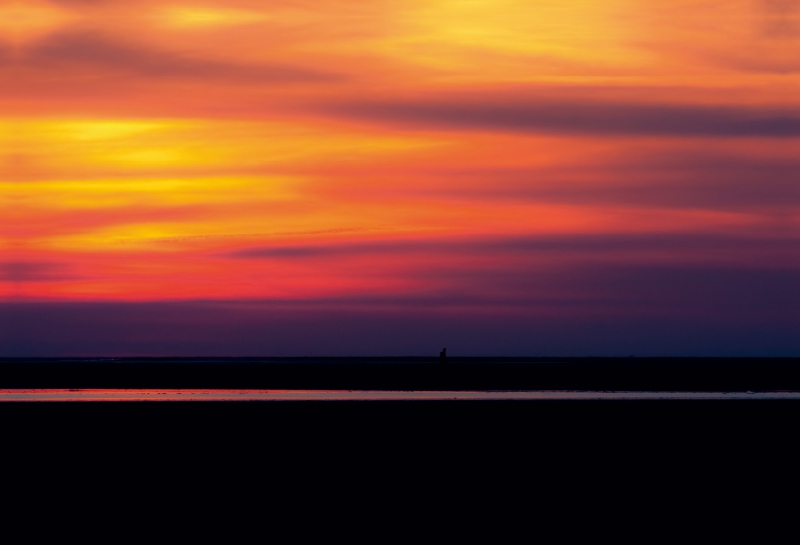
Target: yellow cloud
x=476 y=35
x=87 y=130
x=174 y=144
x=195 y=18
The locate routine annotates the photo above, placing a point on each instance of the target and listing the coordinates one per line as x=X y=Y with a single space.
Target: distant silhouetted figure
x=443 y=356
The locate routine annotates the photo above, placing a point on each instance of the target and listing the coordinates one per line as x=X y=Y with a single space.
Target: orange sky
x=295 y=150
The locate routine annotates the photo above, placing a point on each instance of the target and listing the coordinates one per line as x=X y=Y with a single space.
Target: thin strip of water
x=151 y=395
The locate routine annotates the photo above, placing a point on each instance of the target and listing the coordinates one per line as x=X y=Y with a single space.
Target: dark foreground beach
x=408 y=374
x=569 y=435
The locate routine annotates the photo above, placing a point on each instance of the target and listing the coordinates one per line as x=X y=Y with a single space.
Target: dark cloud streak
x=583 y=118
x=540 y=244
x=70 y=50
x=22 y=271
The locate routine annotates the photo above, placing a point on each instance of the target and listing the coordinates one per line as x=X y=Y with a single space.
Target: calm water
x=31 y=395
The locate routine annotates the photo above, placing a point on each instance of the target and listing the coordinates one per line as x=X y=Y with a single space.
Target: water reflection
x=21 y=395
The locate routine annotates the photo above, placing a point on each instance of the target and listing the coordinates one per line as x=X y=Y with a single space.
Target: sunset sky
x=388 y=177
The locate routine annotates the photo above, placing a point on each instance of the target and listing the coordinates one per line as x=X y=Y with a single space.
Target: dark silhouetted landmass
x=633 y=374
